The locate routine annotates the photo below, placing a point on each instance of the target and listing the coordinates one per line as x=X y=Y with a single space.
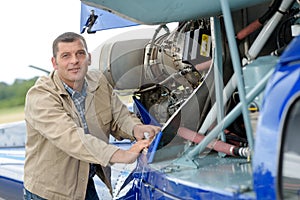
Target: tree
x=14 y=95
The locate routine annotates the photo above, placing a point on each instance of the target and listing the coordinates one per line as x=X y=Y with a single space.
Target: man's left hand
x=140 y=130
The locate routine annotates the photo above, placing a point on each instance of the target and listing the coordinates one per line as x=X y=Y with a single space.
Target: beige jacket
x=58 y=152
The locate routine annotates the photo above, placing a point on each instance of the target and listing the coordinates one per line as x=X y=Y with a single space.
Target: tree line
x=14 y=95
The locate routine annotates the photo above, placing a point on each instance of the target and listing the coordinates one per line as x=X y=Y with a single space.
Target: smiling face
x=71 y=62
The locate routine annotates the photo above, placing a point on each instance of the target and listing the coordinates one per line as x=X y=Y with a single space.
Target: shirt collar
x=74 y=92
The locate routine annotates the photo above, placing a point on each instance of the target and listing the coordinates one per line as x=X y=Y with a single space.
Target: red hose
x=216 y=145
x=248 y=30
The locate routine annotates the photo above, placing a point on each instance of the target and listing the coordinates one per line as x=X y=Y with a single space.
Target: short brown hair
x=67 y=37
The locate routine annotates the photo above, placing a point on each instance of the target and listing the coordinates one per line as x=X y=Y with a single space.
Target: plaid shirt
x=79 y=101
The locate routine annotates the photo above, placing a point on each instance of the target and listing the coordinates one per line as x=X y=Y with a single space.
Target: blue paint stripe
x=10 y=179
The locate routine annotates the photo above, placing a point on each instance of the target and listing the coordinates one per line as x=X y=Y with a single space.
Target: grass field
x=14 y=114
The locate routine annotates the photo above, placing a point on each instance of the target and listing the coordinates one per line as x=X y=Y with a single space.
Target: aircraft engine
x=158 y=66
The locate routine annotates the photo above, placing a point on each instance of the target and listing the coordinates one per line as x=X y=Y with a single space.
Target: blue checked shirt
x=79 y=101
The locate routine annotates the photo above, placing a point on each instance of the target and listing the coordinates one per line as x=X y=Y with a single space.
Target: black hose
x=270 y=12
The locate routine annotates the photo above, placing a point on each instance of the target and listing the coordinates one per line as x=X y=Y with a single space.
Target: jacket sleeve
x=123 y=120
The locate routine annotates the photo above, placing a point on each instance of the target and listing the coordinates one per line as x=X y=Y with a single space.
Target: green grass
x=13 y=114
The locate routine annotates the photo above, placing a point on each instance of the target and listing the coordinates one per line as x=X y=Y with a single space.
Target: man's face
x=71 y=62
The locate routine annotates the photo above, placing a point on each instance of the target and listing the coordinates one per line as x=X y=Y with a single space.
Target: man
x=69 y=116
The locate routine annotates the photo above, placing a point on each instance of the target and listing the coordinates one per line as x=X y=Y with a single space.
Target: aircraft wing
x=156 y=12
x=94 y=19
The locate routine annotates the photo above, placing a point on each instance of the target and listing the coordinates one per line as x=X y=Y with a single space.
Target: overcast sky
x=28 y=29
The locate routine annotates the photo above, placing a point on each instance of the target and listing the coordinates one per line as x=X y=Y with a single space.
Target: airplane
x=224 y=87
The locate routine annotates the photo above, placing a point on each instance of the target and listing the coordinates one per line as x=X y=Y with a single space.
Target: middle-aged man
x=69 y=117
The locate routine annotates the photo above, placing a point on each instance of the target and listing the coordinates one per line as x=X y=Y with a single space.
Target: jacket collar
x=92 y=80
x=92 y=84
x=57 y=81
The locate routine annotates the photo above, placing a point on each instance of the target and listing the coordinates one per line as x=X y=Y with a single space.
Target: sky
x=28 y=29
